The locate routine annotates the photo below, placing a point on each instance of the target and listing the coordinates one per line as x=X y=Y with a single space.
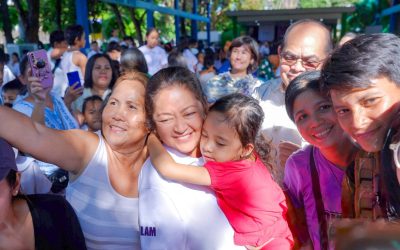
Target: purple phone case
x=40 y=67
x=73 y=77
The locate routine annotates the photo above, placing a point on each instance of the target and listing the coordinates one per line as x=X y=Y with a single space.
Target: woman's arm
x=169 y=169
x=71 y=150
x=80 y=60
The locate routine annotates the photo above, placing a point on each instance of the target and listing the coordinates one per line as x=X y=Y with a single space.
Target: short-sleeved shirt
x=297 y=181
x=156 y=58
x=251 y=200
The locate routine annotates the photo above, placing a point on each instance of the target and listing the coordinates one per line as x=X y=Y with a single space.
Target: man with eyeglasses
x=306 y=44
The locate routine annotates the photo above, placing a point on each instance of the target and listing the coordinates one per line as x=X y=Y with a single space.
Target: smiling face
x=102 y=73
x=316 y=120
x=366 y=114
x=219 y=141
x=124 y=120
x=178 y=118
x=240 y=59
x=307 y=44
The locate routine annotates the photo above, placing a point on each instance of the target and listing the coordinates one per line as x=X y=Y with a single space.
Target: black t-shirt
x=55 y=223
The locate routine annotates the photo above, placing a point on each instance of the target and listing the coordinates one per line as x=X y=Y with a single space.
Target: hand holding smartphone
x=40 y=67
x=73 y=77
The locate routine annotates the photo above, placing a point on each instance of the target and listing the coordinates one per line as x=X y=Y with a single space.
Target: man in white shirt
x=306 y=44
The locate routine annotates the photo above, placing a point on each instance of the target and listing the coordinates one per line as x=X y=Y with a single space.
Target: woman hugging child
x=236 y=156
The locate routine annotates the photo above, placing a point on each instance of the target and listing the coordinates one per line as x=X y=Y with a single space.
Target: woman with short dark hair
x=244 y=58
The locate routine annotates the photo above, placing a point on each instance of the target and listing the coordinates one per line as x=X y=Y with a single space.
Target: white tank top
x=180 y=216
x=68 y=66
x=108 y=219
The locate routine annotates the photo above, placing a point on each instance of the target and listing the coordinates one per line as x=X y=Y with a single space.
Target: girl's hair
x=89 y=70
x=245 y=115
x=252 y=45
x=172 y=76
x=133 y=60
x=306 y=81
x=73 y=32
x=151 y=30
x=176 y=58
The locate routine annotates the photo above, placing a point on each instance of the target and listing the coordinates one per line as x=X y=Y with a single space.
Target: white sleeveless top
x=68 y=66
x=108 y=219
x=180 y=216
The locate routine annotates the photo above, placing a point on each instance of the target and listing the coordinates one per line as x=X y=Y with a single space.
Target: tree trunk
x=30 y=20
x=58 y=14
x=136 y=23
x=118 y=16
x=183 y=26
x=6 y=21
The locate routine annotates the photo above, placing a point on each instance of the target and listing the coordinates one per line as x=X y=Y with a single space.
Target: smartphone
x=40 y=67
x=73 y=77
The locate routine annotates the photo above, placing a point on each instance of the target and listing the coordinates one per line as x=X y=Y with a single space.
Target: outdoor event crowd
x=188 y=147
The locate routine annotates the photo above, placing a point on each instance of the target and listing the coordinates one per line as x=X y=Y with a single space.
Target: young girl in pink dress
x=236 y=156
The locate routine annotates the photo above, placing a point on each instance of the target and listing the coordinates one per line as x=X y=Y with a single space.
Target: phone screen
x=73 y=77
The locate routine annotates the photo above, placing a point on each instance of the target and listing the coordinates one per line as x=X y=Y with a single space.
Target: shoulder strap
x=58 y=61
x=318 y=202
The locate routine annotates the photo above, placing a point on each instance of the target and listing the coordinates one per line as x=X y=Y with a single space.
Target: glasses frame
x=285 y=62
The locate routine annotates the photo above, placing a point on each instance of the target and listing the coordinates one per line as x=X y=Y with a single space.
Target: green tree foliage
x=49 y=14
x=366 y=14
x=325 y=3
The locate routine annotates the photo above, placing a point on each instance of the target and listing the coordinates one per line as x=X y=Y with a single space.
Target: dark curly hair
x=246 y=116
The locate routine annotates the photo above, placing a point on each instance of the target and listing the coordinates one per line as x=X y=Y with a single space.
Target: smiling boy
x=363 y=79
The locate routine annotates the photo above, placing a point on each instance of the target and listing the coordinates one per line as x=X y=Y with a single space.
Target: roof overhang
x=155 y=7
x=251 y=17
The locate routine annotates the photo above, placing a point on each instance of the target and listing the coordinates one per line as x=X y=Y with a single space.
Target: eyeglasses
x=290 y=60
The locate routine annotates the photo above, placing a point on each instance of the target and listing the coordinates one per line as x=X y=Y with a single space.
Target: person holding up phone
x=73 y=59
x=100 y=77
x=48 y=109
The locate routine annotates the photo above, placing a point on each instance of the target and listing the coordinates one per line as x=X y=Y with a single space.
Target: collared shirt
x=277 y=125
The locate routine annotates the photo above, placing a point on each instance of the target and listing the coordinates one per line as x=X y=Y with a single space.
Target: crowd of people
x=154 y=148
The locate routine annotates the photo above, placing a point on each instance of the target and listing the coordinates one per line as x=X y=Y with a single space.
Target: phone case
x=73 y=77
x=40 y=67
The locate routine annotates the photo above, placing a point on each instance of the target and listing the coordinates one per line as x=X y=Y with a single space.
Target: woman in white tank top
x=103 y=167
